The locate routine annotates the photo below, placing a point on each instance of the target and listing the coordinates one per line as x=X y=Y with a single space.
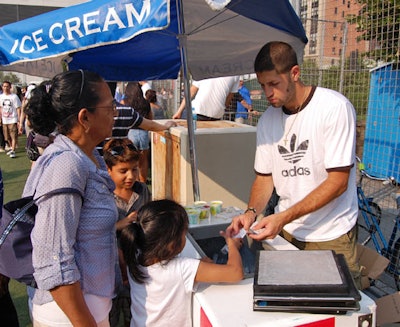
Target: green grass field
x=15 y=171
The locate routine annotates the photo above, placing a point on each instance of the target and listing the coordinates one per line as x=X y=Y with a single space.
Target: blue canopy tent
x=150 y=40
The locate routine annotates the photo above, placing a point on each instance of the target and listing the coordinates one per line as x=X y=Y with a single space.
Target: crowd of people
x=107 y=248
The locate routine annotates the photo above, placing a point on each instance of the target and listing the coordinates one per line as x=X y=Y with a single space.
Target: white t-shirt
x=9 y=104
x=165 y=298
x=145 y=87
x=211 y=97
x=321 y=137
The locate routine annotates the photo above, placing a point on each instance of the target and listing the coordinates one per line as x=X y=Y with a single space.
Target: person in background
x=118 y=94
x=2 y=139
x=140 y=137
x=161 y=281
x=10 y=106
x=232 y=108
x=74 y=243
x=23 y=125
x=157 y=111
x=122 y=160
x=127 y=118
x=15 y=89
x=210 y=97
x=244 y=109
x=8 y=313
x=145 y=86
x=306 y=150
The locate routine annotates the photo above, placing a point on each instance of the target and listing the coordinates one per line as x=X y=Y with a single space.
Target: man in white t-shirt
x=210 y=97
x=306 y=150
x=145 y=86
x=10 y=106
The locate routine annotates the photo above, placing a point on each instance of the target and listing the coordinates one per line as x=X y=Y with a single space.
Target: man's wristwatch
x=253 y=210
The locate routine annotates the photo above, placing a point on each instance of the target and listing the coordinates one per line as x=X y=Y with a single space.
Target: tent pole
x=188 y=100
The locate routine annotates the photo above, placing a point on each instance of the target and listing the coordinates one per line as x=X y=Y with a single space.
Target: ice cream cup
x=215 y=207
x=193 y=214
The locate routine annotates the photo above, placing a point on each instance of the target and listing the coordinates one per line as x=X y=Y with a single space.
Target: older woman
x=74 y=243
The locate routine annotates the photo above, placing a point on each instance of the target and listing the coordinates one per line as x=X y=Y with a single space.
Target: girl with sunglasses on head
x=161 y=281
x=122 y=159
x=74 y=241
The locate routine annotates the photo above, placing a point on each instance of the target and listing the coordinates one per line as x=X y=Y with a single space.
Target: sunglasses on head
x=119 y=149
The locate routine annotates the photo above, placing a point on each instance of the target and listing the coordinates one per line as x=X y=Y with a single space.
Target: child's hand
x=129 y=219
x=229 y=239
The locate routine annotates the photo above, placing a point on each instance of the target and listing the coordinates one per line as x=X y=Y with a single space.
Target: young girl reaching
x=161 y=281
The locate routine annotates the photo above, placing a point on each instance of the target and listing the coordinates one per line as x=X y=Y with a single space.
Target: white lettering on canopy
x=71 y=25
x=112 y=18
x=79 y=27
x=87 y=22
x=51 y=33
x=131 y=11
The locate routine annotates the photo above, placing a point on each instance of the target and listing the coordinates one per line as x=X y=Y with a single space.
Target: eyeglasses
x=82 y=83
x=119 y=149
x=113 y=106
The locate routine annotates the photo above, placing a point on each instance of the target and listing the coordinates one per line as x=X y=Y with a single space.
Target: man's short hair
x=278 y=56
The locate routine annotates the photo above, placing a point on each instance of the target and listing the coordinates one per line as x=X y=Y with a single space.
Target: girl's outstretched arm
x=231 y=272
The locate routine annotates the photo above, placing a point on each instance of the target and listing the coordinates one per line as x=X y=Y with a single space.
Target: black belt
x=206 y=118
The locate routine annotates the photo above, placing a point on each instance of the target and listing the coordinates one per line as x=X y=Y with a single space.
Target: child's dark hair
x=57 y=102
x=119 y=150
x=156 y=236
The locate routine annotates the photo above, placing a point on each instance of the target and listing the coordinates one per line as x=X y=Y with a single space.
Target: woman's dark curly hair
x=156 y=236
x=57 y=102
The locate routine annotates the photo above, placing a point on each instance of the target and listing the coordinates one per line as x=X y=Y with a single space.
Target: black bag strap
x=20 y=214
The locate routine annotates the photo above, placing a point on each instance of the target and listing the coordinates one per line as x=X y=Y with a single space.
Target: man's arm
x=331 y=188
x=246 y=105
x=193 y=92
x=19 y=124
x=228 y=99
x=151 y=125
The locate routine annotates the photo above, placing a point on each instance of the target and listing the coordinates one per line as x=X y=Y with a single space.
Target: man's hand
x=267 y=228
x=169 y=124
x=20 y=129
x=242 y=221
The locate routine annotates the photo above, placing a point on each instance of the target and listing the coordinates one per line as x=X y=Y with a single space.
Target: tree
x=9 y=77
x=379 y=23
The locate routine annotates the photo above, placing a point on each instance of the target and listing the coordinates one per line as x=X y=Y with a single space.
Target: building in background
x=330 y=36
